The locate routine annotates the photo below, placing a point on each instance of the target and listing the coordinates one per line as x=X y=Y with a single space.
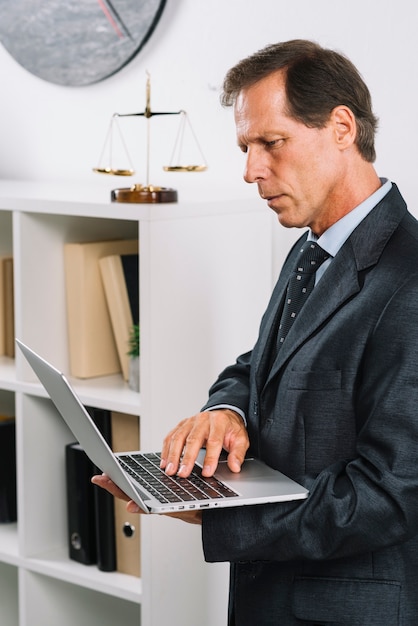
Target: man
x=334 y=402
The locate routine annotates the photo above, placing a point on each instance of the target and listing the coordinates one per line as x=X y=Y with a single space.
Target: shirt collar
x=336 y=235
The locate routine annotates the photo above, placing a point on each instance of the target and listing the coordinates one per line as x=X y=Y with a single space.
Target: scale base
x=141 y=194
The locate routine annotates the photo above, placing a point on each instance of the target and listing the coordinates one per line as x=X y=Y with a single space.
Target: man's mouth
x=272 y=198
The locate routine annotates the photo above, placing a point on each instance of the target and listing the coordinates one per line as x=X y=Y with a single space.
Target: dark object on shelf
x=80 y=506
x=104 y=502
x=8 y=506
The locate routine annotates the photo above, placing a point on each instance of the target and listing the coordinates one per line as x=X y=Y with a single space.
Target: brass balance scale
x=147 y=193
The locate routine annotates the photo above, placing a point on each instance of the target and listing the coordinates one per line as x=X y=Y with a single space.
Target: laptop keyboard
x=145 y=469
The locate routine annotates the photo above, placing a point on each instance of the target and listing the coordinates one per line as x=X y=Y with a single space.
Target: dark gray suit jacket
x=337 y=411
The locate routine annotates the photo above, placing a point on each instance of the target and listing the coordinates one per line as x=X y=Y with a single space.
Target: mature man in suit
x=334 y=402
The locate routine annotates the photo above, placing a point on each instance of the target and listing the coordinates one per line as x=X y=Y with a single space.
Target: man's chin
x=280 y=205
x=286 y=221
x=280 y=212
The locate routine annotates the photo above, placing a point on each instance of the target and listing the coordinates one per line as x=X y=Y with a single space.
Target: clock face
x=76 y=42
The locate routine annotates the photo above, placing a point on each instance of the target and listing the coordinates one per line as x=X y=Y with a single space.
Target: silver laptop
x=138 y=473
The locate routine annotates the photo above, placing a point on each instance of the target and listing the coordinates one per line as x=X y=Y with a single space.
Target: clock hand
x=117 y=15
x=109 y=17
x=108 y=8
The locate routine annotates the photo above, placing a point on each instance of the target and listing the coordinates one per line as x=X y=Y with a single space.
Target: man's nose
x=255 y=169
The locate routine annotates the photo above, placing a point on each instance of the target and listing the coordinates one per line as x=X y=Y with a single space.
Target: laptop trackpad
x=251 y=469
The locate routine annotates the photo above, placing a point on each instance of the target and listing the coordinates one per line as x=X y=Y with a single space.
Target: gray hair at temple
x=317 y=80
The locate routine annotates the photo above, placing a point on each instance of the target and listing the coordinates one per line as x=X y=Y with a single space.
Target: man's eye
x=274 y=143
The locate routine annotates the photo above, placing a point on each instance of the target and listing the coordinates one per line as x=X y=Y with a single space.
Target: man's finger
x=235 y=461
x=173 y=446
x=103 y=481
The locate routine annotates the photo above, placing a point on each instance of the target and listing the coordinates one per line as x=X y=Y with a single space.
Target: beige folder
x=125 y=437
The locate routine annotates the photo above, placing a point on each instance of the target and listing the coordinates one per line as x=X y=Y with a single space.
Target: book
x=81 y=513
x=8 y=501
x=92 y=346
x=104 y=502
x=120 y=276
x=6 y=306
x=125 y=437
x=9 y=317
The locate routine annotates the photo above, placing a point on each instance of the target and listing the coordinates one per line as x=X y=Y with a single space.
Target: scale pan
x=113 y=171
x=185 y=168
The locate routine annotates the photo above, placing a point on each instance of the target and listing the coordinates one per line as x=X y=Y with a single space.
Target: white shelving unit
x=205 y=277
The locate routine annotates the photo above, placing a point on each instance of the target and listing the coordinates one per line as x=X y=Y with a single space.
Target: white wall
x=49 y=132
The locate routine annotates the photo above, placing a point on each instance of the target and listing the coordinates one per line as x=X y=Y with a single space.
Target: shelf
x=8 y=379
x=107 y=392
x=9 y=551
x=56 y=564
x=193 y=256
x=94 y=201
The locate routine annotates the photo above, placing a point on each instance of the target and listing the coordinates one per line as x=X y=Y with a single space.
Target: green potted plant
x=133 y=353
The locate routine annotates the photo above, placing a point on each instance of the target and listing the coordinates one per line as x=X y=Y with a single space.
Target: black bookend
x=104 y=503
x=80 y=506
x=131 y=273
x=8 y=507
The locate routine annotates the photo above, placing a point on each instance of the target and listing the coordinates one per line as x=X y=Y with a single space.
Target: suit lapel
x=267 y=338
x=338 y=284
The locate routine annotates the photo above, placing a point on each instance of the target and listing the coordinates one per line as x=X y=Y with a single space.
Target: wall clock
x=76 y=42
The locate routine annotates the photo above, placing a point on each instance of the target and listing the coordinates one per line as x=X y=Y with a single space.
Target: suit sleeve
x=356 y=505
x=232 y=385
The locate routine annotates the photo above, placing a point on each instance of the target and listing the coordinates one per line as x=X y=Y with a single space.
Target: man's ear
x=345 y=127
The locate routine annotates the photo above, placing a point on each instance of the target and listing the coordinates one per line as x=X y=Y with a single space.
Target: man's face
x=298 y=170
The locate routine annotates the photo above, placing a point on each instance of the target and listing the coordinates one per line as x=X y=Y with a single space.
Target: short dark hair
x=317 y=80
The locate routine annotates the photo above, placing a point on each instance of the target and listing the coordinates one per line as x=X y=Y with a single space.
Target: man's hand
x=215 y=430
x=103 y=481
